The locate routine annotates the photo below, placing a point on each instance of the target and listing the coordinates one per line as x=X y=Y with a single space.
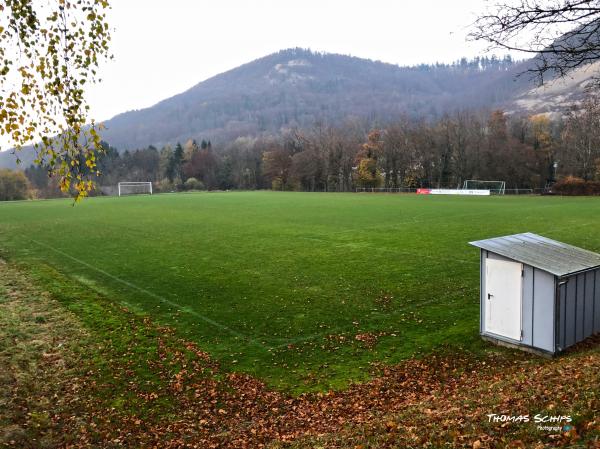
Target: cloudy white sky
x=162 y=47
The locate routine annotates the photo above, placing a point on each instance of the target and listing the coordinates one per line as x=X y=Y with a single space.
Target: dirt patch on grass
x=106 y=377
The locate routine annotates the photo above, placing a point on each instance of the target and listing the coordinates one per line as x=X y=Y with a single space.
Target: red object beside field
x=423 y=191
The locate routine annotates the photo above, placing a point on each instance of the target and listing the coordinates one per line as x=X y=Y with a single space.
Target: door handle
x=490 y=296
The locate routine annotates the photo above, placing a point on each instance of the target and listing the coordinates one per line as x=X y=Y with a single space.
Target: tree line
x=525 y=152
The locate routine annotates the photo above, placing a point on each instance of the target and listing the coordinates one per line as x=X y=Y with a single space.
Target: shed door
x=503 y=298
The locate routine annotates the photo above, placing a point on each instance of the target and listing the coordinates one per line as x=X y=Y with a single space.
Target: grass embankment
x=79 y=370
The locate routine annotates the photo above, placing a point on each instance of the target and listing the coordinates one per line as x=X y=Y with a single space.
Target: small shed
x=536 y=293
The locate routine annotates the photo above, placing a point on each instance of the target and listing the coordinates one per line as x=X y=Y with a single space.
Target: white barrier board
x=458 y=192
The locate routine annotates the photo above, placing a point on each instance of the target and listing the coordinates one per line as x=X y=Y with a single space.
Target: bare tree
x=396 y=152
x=581 y=140
x=563 y=34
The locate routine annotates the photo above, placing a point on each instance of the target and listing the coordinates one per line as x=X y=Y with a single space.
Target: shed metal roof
x=540 y=252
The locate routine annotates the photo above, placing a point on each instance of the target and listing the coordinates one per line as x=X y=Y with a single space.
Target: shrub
x=164 y=185
x=277 y=184
x=13 y=185
x=193 y=184
x=576 y=186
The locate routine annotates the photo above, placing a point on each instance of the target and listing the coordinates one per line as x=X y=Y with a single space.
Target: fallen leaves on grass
x=413 y=404
x=174 y=395
x=369 y=339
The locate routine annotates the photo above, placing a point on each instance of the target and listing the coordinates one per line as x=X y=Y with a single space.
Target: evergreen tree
x=175 y=162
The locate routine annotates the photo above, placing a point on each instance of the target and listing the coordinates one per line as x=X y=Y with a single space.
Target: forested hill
x=301 y=88
x=298 y=87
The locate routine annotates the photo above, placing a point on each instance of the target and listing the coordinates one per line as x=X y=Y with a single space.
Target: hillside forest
x=525 y=152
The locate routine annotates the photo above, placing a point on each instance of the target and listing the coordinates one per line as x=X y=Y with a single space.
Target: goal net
x=495 y=187
x=134 y=188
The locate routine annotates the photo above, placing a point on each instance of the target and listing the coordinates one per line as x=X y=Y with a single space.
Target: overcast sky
x=162 y=47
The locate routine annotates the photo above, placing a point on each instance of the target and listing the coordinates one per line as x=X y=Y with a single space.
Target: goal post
x=134 y=188
x=495 y=187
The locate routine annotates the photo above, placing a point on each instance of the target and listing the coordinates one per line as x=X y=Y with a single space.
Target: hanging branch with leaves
x=49 y=52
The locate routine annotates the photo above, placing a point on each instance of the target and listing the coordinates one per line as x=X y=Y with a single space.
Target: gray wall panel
x=588 y=305
x=597 y=302
x=579 y=304
x=569 y=316
x=527 y=304
x=562 y=304
x=543 y=311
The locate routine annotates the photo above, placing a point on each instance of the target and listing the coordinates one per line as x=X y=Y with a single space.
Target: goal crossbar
x=497 y=187
x=132 y=188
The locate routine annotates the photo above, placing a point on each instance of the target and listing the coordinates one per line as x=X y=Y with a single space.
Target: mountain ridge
x=299 y=88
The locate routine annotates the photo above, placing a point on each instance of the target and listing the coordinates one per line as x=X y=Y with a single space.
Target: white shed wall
x=537 y=305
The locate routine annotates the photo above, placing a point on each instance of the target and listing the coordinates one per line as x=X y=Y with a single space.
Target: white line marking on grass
x=155 y=296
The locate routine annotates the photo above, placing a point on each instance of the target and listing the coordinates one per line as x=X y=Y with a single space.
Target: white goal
x=134 y=188
x=495 y=187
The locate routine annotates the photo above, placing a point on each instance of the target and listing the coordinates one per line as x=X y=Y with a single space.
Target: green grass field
x=304 y=290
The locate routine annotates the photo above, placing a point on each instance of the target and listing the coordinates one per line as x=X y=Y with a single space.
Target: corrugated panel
x=596 y=306
x=562 y=317
x=546 y=254
x=579 y=307
x=588 y=308
x=570 y=313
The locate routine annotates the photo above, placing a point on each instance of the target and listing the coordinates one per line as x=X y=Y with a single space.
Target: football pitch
x=303 y=290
